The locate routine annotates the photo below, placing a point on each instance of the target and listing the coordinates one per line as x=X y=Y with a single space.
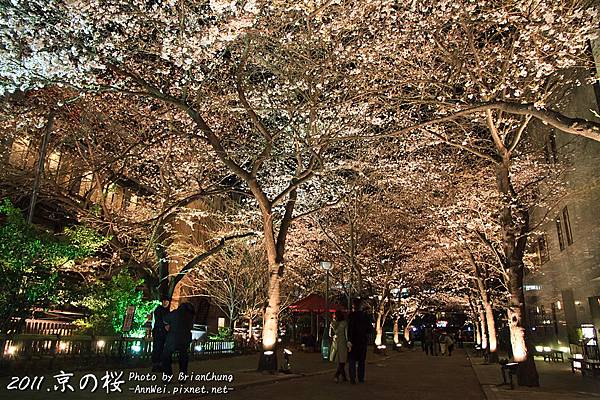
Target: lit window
x=532 y=287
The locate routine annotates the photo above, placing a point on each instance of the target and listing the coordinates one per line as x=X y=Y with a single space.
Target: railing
x=49 y=327
x=41 y=327
x=47 y=350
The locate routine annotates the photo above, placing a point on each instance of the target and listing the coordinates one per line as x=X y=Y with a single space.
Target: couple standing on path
x=172 y=332
x=435 y=342
x=350 y=343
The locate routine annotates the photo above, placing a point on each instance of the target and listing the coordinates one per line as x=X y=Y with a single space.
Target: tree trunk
x=39 y=171
x=268 y=358
x=408 y=322
x=491 y=329
x=488 y=312
x=379 y=328
x=250 y=333
x=482 y=328
x=514 y=240
x=396 y=333
x=381 y=316
x=272 y=311
x=407 y=333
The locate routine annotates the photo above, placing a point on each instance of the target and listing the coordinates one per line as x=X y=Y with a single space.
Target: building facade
x=563 y=292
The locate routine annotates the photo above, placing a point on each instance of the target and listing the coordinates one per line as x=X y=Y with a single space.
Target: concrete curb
x=488 y=391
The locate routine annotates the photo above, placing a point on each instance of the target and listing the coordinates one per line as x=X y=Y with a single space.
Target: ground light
x=268 y=361
x=287 y=365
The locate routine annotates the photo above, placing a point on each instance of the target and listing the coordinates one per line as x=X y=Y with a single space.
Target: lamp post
x=326 y=265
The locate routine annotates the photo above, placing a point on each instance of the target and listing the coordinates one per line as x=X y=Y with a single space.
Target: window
x=85 y=184
x=542 y=249
x=568 y=233
x=21 y=155
x=559 y=232
x=54 y=161
x=133 y=202
x=550 y=149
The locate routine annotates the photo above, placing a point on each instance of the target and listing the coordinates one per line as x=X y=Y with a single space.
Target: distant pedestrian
x=428 y=341
x=460 y=337
x=450 y=343
x=435 y=339
x=443 y=344
x=332 y=338
x=446 y=344
x=359 y=327
x=159 y=333
x=341 y=346
x=179 y=325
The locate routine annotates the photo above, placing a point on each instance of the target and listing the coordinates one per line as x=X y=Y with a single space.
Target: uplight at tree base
x=519 y=352
x=269 y=339
x=378 y=339
x=518 y=345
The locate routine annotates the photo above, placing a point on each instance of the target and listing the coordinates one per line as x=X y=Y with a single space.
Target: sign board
x=128 y=320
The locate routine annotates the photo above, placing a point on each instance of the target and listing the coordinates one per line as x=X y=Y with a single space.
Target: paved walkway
x=557 y=382
x=409 y=375
x=242 y=370
x=405 y=375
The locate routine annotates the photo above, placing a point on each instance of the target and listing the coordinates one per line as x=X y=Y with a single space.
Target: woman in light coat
x=341 y=344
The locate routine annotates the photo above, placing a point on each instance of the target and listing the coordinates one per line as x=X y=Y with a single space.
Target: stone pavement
x=409 y=374
x=242 y=370
x=557 y=382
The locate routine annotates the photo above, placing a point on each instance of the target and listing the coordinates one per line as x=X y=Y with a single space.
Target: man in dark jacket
x=159 y=333
x=179 y=325
x=359 y=327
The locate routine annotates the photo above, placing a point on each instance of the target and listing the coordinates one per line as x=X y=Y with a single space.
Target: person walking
x=435 y=339
x=341 y=345
x=359 y=327
x=159 y=333
x=443 y=343
x=179 y=325
x=332 y=338
x=449 y=344
x=428 y=341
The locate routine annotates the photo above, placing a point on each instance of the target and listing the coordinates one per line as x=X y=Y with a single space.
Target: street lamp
x=327 y=266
